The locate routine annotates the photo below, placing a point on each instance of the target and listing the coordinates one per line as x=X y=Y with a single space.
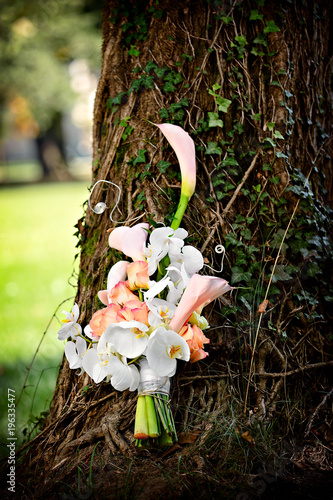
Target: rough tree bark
x=264 y=70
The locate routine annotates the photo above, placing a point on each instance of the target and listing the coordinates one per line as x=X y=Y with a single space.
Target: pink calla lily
x=184 y=148
x=130 y=240
x=200 y=291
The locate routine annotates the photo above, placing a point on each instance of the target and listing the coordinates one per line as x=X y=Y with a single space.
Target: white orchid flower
x=74 y=352
x=163 y=241
x=191 y=258
x=155 y=288
x=70 y=327
x=105 y=361
x=163 y=349
x=161 y=311
x=129 y=338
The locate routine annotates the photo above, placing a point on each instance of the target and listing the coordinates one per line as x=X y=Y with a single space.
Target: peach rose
x=102 y=318
x=195 y=338
x=120 y=294
x=138 y=275
x=134 y=310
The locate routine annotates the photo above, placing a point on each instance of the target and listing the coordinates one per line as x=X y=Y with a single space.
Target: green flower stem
x=170 y=416
x=141 y=421
x=161 y=412
x=162 y=266
x=165 y=439
x=183 y=202
x=153 y=427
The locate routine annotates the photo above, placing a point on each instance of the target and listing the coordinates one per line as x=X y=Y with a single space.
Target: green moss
x=85 y=279
x=89 y=246
x=120 y=155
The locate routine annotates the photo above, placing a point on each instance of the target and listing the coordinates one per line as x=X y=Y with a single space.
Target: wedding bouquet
x=152 y=315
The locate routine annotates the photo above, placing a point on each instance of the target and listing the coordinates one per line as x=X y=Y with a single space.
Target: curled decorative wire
x=100 y=207
x=218 y=249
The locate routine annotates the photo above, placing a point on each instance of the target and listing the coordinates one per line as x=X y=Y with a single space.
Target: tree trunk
x=251 y=84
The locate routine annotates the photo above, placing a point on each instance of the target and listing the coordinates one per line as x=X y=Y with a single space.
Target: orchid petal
x=91 y=364
x=128 y=338
x=117 y=273
x=125 y=377
x=76 y=312
x=72 y=356
x=156 y=288
x=163 y=350
x=193 y=259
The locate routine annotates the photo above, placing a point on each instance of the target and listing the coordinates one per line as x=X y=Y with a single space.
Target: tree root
x=109 y=429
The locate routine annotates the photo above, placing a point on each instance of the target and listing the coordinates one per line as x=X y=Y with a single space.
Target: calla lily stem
x=183 y=202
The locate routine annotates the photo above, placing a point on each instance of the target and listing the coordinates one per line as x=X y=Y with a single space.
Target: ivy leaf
x=270 y=125
x=271 y=27
x=229 y=160
x=288 y=94
x=256 y=117
x=254 y=15
x=169 y=87
x=257 y=52
x=160 y=72
x=280 y=274
x=213 y=149
x=238 y=274
x=133 y=51
x=246 y=233
x=238 y=127
x=241 y=40
x=214 y=120
x=141 y=157
x=271 y=142
x=164 y=113
x=223 y=104
x=117 y=99
x=226 y=19
x=216 y=87
x=278 y=135
x=279 y=154
x=277 y=239
x=163 y=165
x=261 y=39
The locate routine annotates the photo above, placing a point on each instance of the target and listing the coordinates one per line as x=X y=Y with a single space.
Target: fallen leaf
x=262 y=307
x=188 y=437
x=248 y=437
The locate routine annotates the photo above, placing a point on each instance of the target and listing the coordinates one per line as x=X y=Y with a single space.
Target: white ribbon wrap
x=151 y=383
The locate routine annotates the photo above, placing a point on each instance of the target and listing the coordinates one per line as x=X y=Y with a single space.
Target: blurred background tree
x=48 y=51
x=50 y=54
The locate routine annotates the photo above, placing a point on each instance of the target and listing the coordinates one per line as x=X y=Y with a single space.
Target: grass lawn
x=37 y=250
